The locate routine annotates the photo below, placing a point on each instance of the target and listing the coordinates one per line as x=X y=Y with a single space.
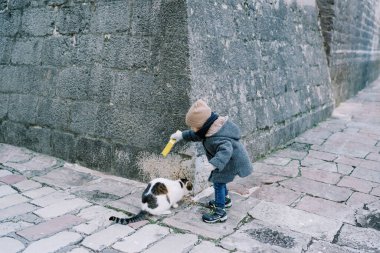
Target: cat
x=158 y=197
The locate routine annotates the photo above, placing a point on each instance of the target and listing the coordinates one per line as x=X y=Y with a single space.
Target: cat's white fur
x=175 y=194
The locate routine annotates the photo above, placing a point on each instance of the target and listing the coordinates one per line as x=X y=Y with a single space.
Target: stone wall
x=351 y=32
x=104 y=83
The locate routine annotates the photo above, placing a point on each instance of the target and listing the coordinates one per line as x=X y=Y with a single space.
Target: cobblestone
x=53 y=243
x=10 y=245
x=359 y=238
x=61 y=208
x=174 y=243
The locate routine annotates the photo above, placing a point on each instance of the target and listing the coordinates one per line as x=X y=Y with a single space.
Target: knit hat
x=198 y=114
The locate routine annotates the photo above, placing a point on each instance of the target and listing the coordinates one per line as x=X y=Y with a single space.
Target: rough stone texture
x=174 y=243
x=296 y=220
x=54 y=242
x=359 y=238
x=321 y=246
x=261 y=237
x=11 y=245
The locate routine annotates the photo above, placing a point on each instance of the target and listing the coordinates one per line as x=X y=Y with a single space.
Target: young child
x=228 y=157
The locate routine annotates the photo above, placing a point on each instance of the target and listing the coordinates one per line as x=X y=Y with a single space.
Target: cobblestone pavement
x=318 y=194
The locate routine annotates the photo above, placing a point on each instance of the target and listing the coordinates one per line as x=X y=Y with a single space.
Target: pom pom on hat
x=198 y=114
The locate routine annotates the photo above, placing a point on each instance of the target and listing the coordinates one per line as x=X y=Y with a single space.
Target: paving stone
x=371 y=165
x=290 y=153
x=207 y=246
x=11 y=200
x=319 y=164
x=174 y=243
x=344 y=169
x=358 y=199
x=38 y=193
x=313 y=136
x=327 y=209
x=142 y=238
x=376 y=191
x=328 y=157
x=373 y=157
x=296 y=220
x=106 y=237
x=10 y=153
x=6 y=190
x=97 y=217
x=275 y=194
x=291 y=170
x=357 y=184
x=50 y=227
x=367 y=174
x=53 y=243
x=321 y=247
x=27 y=185
x=364 y=239
x=109 y=186
x=61 y=208
x=190 y=219
x=317 y=189
x=320 y=175
x=79 y=250
x=4 y=173
x=12 y=179
x=259 y=236
x=37 y=163
x=65 y=178
x=9 y=227
x=276 y=160
x=10 y=245
x=16 y=210
x=130 y=203
x=52 y=198
x=257 y=179
x=348 y=160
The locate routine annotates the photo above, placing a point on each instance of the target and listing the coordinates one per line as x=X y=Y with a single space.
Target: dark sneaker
x=228 y=203
x=216 y=215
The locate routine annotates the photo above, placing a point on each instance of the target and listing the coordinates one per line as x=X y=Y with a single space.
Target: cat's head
x=186 y=185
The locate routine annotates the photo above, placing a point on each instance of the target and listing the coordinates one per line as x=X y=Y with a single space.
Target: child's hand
x=177 y=136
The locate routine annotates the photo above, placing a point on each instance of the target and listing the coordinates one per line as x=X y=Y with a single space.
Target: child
x=220 y=138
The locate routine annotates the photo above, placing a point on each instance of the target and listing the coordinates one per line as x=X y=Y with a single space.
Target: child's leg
x=220 y=194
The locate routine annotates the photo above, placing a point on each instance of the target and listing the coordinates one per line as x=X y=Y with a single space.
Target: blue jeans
x=221 y=191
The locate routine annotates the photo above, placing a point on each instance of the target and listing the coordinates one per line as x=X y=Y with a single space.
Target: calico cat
x=158 y=197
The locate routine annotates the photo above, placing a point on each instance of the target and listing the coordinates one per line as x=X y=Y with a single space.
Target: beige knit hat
x=198 y=114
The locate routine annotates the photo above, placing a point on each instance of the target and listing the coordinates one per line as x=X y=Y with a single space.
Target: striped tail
x=124 y=221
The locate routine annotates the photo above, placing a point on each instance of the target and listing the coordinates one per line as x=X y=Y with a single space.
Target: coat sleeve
x=223 y=155
x=189 y=135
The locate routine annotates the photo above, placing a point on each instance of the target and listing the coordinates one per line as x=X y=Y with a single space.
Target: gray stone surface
x=359 y=238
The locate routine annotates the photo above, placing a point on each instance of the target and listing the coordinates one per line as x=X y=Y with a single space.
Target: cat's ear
x=189 y=186
x=184 y=180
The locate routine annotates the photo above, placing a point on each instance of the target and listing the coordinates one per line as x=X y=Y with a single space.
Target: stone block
x=296 y=220
x=100 y=88
x=94 y=153
x=359 y=200
x=63 y=145
x=320 y=175
x=106 y=237
x=11 y=245
x=321 y=246
x=10 y=227
x=140 y=240
x=16 y=133
x=60 y=208
x=37 y=163
x=6 y=190
x=23 y=108
x=262 y=237
x=53 y=113
x=327 y=209
x=176 y=242
x=73 y=83
x=290 y=170
x=363 y=239
x=11 y=200
x=274 y=194
x=206 y=246
x=376 y=191
x=37 y=193
x=6 y=45
x=10 y=21
x=111 y=17
x=58 y=51
x=83 y=117
x=73 y=20
x=50 y=198
x=357 y=184
x=38 y=139
x=16 y=210
x=54 y=243
x=38 y=21
x=12 y=179
x=366 y=174
x=49 y=227
x=27 y=51
x=18 y=4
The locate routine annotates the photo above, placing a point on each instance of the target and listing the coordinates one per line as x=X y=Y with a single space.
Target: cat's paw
x=175 y=205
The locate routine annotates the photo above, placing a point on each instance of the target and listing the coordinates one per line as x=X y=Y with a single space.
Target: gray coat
x=225 y=152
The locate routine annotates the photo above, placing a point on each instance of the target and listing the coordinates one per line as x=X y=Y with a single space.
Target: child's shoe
x=228 y=203
x=216 y=215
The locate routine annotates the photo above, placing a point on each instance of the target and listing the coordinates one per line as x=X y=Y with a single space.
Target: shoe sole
x=212 y=206
x=218 y=220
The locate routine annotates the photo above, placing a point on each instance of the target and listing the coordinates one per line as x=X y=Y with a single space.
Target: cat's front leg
x=175 y=205
x=166 y=212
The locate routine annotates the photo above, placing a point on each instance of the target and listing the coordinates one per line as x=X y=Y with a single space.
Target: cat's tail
x=124 y=221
